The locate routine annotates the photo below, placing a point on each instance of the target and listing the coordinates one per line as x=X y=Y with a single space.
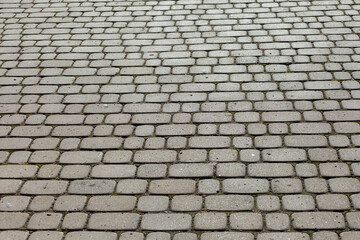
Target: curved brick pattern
x=171 y=120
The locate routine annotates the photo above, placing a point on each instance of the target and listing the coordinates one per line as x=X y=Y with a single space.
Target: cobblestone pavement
x=183 y=120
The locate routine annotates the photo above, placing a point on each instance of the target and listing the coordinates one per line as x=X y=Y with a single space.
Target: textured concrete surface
x=182 y=120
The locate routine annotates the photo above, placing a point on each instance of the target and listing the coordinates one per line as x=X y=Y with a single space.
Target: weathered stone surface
x=318 y=220
x=92 y=187
x=172 y=120
x=166 y=222
x=113 y=221
x=172 y=186
x=229 y=203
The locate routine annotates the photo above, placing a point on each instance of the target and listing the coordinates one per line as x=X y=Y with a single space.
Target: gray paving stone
x=96 y=235
x=332 y=202
x=226 y=235
x=152 y=171
x=344 y=185
x=229 y=203
x=286 y=185
x=80 y=157
x=14 y=143
x=209 y=186
x=111 y=203
x=44 y=221
x=14 y=220
x=284 y=155
x=268 y=142
x=91 y=187
x=152 y=203
x=349 y=235
x=322 y=154
x=163 y=222
x=186 y=203
x=159 y=235
x=245 y=186
x=113 y=171
x=298 y=202
x=318 y=220
x=155 y=156
x=172 y=186
x=131 y=236
x=70 y=203
x=270 y=170
x=306 y=141
x=209 y=142
x=210 y=221
x=101 y=143
x=325 y=235
x=310 y=128
x=230 y=170
x=44 y=187
x=246 y=221
x=114 y=221
x=306 y=170
x=13 y=234
x=41 y=203
x=131 y=186
x=190 y=236
x=277 y=221
x=191 y=170
x=281 y=116
x=18 y=171
x=223 y=155
x=334 y=170
x=349 y=154
x=14 y=203
x=284 y=236
x=74 y=221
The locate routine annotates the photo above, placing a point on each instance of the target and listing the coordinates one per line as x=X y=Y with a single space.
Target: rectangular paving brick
x=13 y=220
x=101 y=143
x=306 y=141
x=318 y=220
x=155 y=156
x=191 y=170
x=14 y=143
x=44 y=187
x=81 y=157
x=175 y=130
x=18 y=171
x=114 y=221
x=245 y=186
x=95 y=235
x=229 y=203
x=209 y=142
x=166 y=222
x=92 y=187
x=342 y=116
x=172 y=186
x=111 y=203
x=284 y=155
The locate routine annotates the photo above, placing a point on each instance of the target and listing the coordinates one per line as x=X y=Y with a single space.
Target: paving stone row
x=171 y=186
x=46 y=170
x=282 y=155
x=181 y=203
x=180 y=221
x=82 y=235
